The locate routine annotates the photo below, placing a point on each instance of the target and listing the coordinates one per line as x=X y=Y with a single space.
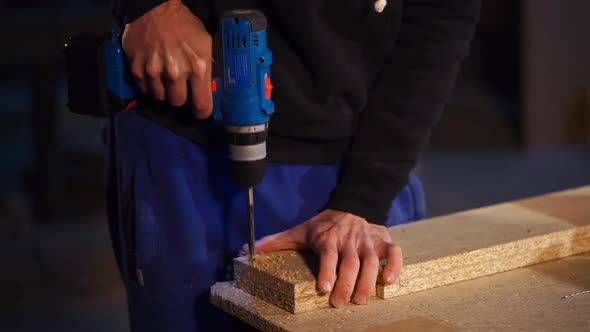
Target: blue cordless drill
x=241 y=99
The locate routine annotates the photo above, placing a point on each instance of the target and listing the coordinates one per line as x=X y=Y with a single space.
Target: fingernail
x=327 y=287
x=337 y=303
x=390 y=279
x=360 y=299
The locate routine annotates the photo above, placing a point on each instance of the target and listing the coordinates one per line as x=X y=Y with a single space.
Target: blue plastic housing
x=246 y=63
x=119 y=84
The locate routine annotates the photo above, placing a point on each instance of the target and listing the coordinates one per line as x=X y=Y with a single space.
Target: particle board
x=532 y=298
x=440 y=251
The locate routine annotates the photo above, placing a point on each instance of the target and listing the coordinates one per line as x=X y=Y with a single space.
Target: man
x=358 y=86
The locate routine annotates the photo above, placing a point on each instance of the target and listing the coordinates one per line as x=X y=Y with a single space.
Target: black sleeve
x=415 y=83
x=129 y=10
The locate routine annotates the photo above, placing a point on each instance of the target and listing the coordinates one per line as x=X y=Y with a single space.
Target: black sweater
x=351 y=85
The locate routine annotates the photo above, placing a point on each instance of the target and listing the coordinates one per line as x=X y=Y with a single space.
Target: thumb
x=278 y=241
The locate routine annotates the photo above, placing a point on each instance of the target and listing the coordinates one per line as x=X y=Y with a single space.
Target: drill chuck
x=247 y=151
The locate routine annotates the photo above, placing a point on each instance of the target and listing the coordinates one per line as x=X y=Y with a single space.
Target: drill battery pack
x=85 y=73
x=99 y=83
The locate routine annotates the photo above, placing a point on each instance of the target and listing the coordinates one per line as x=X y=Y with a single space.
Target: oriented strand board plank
x=482 y=262
x=525 y=299
x=441 y=251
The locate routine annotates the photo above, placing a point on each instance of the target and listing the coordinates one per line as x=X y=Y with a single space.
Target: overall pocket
x=144 y=221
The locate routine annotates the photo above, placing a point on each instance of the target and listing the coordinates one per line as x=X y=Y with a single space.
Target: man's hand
x=167 y=47
x=349 y=248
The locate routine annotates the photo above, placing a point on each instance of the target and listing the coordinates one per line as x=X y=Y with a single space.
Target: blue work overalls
x=177 y=219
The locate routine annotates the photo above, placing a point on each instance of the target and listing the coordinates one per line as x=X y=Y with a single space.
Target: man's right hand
x=168 y=47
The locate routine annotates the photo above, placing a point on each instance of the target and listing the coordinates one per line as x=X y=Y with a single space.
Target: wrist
x=343 y=215
x=367 y=210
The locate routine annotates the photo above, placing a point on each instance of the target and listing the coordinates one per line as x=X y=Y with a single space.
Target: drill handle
x=121 y=88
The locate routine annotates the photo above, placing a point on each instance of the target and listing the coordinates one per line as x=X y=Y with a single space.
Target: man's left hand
x=349 y=249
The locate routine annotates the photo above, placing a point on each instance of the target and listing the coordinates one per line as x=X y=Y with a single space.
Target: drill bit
x=251 y=243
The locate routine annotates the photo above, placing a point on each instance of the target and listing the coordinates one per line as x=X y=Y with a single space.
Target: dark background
x=517 y=125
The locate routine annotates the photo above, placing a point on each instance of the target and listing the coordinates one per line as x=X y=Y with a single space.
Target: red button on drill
x=267 y=86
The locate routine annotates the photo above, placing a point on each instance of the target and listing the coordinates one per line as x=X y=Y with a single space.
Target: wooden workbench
x=463 y=246
x=526 y=299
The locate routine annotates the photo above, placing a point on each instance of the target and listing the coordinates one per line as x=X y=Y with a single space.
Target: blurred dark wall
x=44 y=164
x=526 y=82
x=556 y=73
